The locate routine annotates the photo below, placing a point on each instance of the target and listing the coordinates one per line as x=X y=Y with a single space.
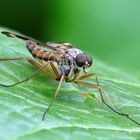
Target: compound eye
x=89 y=60
x=81 y=59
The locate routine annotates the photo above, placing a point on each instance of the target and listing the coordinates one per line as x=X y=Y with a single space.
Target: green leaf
x=72 y=116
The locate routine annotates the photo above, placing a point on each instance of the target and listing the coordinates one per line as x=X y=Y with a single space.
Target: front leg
x=101 y=91
x=97 y=85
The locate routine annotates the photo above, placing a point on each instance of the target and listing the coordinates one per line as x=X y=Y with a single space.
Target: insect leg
x=97 y=86
x=54 y=97
x=39 y=67
x=8 y=59
x=30 y=77
x=94 y=75
x=55 y=70
x=31 y=62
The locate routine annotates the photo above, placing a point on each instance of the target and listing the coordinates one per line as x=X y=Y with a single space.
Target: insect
x=66 y=61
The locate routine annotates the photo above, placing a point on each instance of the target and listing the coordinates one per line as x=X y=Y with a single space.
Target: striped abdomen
x=43 y=54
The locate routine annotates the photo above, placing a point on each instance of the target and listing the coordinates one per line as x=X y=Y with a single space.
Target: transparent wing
x=58 y=46
x=27 y=40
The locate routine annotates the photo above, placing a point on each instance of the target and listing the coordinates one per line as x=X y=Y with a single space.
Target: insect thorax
x=68 y=65
x=73 y=52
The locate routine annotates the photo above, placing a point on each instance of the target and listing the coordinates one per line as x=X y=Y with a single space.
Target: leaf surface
x=72 y=116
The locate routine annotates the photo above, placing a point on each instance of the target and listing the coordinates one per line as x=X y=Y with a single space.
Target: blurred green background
x=108 y=29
